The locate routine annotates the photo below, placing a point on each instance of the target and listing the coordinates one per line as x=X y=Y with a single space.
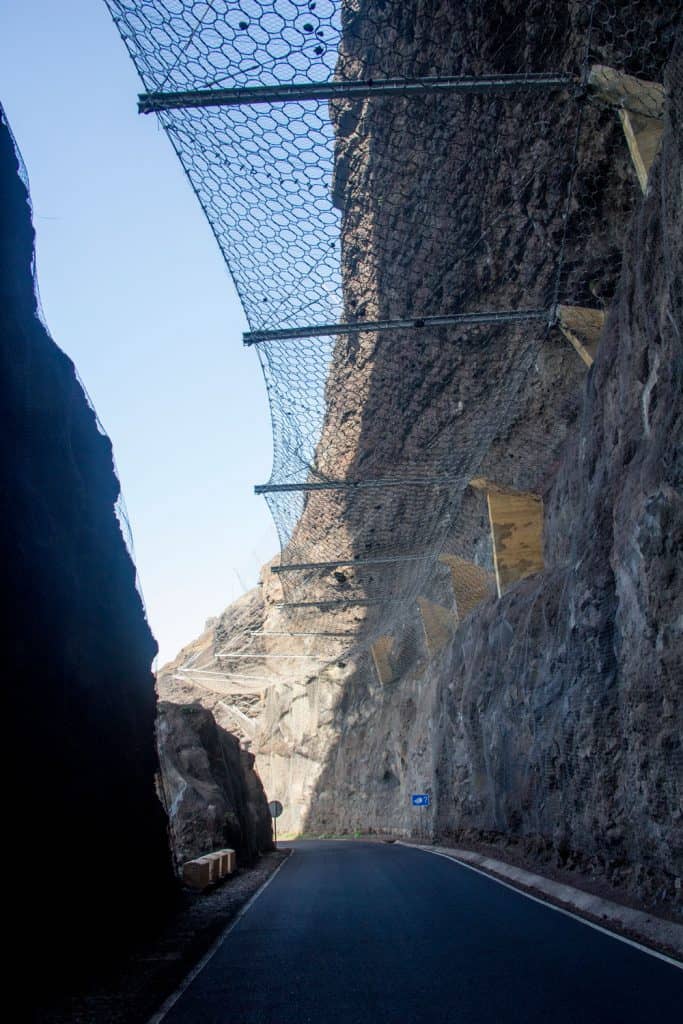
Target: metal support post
x=349 y=563
x=153 y=102
x=344 y=485
x=305 y=657
x=328 y=633
x=406 y=323
x=329 y=604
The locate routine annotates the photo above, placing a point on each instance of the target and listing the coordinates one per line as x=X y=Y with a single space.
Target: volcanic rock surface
x=77 y=651
x=552 y=719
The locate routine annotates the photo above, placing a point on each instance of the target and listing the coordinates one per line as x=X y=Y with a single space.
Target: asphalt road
x=363 y=933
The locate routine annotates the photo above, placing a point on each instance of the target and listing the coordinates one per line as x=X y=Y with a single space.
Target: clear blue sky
x=135 y=291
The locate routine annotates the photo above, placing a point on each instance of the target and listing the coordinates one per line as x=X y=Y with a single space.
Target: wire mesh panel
x=391 y=162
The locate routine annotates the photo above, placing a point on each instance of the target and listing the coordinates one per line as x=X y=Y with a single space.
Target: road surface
x=365 y=933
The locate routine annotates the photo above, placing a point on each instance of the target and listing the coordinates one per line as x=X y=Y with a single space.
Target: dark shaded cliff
x=214 y=798
x=552 y=724
x=88 y=836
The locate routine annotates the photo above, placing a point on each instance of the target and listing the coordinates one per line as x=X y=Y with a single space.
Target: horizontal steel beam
x=203 y=671
x=153 y=102
x=188 y=673
x=229 y=655
x=344 y=485
x=327 y=604
x=349 y=563
x=406 y=323
x=329 y=633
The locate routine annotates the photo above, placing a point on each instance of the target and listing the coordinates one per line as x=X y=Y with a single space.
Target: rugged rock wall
x=87 y=836
x=213 y=796
x=554 y=721
x=207 y=719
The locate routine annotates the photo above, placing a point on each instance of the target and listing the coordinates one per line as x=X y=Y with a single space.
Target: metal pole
x=350 y=563
x=228 y=655
x=187 y=674
x=329 y=633
x=328 y=604
x=406 y=323
x=153 y=102
x=343 y=485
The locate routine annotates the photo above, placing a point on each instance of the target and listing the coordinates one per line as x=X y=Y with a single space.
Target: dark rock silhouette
x=88 y=836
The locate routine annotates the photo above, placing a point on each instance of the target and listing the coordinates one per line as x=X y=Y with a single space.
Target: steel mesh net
x=502 y=198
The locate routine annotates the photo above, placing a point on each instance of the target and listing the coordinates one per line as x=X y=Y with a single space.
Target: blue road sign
x=420 y=799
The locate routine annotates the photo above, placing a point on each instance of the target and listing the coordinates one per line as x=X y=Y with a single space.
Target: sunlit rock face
x=88 y=836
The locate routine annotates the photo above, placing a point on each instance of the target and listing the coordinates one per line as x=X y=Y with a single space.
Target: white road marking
x=552 y=906
x=199 y=967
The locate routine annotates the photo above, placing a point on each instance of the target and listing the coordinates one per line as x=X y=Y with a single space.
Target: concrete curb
x=649 y=933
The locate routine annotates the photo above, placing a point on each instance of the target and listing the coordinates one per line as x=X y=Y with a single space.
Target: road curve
x=363 y=933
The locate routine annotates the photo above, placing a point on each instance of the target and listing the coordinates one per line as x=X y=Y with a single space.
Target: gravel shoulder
x=131 y=991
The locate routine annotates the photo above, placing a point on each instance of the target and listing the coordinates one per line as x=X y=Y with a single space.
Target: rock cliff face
x=552 y=719
x=77 y=650
x=207 y=719
x=213 y=796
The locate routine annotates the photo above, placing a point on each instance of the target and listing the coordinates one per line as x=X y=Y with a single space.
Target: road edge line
x=171 y=1000
x=552 y=906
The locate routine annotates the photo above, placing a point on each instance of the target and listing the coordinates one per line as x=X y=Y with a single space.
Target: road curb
x=652 y=935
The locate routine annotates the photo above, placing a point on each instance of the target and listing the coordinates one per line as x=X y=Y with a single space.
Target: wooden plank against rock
x=517 y=536
x=482 y=483
x=381 y=652
x=641 y=112
x=471 y=583
x=582 y=327
x=439 y=624
x=643 y=135
x=617 y=89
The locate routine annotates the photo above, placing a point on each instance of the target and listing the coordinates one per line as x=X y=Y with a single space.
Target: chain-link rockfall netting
x=428 y=201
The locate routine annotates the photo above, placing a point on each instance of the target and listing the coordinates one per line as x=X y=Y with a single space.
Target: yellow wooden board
x=643 y=135
x=381 y=652
x=582 y=327
x=439 y=624
x=617 y=89
x=517 y=535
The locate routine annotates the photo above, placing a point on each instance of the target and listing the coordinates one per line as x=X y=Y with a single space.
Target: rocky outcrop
x=213 y=796
x=207 y=719
x=82 y=813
